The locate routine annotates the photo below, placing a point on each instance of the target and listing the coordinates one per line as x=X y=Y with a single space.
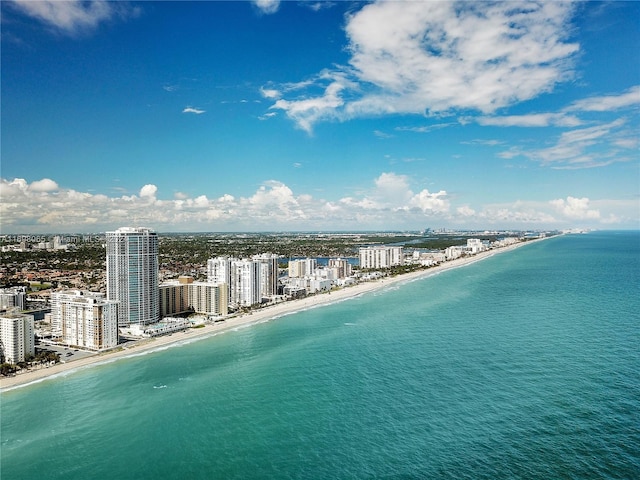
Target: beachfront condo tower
x=17 y=341
x=132 y=275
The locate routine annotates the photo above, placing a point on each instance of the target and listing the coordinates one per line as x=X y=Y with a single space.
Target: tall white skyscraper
x=268 y=273
x=245 y=282
x=132 y=274
x=16 y=337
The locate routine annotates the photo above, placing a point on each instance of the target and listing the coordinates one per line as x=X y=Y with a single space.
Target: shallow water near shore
x=524 y=365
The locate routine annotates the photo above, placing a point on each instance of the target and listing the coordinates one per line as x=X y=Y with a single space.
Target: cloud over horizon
x=43 y=206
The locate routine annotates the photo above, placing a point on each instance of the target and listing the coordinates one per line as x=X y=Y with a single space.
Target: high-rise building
x=302 y=268
x=13 y=297
x=174 y=296
x=268 y=274
x=245 y=283
x=380 y=257
x=17 y=340
x=132 y=274
x=86 y=319
x=185 y=295
x=343 y=266
x=209 y=299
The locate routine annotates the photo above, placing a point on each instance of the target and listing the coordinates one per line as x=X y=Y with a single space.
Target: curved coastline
x=273 y=312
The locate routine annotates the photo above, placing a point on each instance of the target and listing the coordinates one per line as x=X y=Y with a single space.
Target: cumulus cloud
x=148 y=192
x=74 y=16
x=465 y=211
x=388 y=203
x=436 y=57
x=575 y=208
x=44 y=185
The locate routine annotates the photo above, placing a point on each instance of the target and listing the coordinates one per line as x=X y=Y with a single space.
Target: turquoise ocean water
x=525 y=365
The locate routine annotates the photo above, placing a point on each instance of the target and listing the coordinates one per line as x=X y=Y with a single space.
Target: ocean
x=525 y=365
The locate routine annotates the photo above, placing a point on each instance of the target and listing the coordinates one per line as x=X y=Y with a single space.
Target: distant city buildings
x=85 y=319
x=135 y=301
x=132 y=274
x=17 y=341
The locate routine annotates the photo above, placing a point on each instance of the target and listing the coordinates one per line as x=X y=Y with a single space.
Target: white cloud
x=431 y=202
x=608 y=102
x=434 y=57
x=307 y=111
x=74 y=16
x=269 y=93
x=197 y=111
x=320 y=5
x=44 y=185
x=589 y=147
x=465 y=211
x=575 y=208
x=267 y=6
x=389 y=203
x=148 y=192
x=531 y=120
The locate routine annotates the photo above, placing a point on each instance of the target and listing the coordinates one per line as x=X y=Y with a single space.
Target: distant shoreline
x=256 y=316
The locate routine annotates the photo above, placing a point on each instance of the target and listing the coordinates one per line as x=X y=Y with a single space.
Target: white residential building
x=248 y=280
x=302 y=268
x=245 y=283
x=453 y=252
x=474 y=246
x=268 y=274
x=87 y=319
x=132 y=274
x=16 y=337
x=13 y=297
x=219 y=270
x=380 y=257
x=343 y=266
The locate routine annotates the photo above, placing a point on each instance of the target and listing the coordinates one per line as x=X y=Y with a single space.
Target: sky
x=319 y=116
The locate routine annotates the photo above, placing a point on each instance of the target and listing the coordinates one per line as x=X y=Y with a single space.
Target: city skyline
x=298 y=116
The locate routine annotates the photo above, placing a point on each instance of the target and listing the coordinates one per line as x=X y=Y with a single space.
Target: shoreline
x=271 y=312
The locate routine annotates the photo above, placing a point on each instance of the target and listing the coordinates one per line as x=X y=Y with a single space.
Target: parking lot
x=67 y=354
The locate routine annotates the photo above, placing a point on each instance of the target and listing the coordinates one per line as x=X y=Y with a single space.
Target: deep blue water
x=525 y=365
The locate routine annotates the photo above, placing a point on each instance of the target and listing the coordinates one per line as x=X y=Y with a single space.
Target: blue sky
x=262 y=116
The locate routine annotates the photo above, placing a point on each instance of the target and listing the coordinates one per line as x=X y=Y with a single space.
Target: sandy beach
x=257 y=316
